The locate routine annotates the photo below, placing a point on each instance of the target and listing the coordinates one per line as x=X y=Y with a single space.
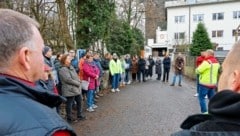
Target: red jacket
x=199 y=60
x=91 y=71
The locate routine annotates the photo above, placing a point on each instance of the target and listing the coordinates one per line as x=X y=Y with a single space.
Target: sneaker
x=129 y=82
x=205 y=112
x=172 y=85
x=94 y=106
x=96 y=96
x=90 y=109
x=100 y=94
x=179 y=85
x=196 y=95
x=113 y=90
x=117 y=90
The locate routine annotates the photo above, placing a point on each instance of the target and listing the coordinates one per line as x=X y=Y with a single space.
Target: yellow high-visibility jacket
x=208 y=72
x=115 y=67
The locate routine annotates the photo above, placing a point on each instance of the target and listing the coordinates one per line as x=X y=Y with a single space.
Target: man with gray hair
x=208 y=76
x=26 y=109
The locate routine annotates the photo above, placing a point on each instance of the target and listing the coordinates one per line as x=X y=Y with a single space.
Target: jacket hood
x=225 y=104
x=16 y=87
x=212 y=59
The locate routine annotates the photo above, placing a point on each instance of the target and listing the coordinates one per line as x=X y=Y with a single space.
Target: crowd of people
x=107 y=73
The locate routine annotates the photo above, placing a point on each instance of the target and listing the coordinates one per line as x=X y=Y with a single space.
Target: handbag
x=85 y=84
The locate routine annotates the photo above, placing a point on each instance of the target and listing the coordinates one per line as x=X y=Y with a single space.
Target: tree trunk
x=64 y=24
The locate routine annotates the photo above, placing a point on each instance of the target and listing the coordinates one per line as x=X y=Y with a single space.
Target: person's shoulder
x=202 y=124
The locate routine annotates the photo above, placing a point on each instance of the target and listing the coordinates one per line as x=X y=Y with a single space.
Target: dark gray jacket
x=26 y=110
x=158 y=67
x=71 y=85
x=223 y=118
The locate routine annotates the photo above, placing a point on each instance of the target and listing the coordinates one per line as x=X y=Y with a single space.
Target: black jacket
x=105 y=64
x=141 y=64
x=26 y=110
x=223 y=118
x=166 y=63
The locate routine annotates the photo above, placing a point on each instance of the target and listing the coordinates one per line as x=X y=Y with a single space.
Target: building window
x=198 y=18
x=180 y=35
x=233 y=32
x=217 y=33
x=179 y=19
x=236 y=14
x=218 y=16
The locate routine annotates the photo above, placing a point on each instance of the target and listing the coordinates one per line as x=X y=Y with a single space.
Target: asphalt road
x=152 y=108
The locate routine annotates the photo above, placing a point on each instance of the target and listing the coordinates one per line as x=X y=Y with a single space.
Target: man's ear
x=24 y=57
x=236 y=80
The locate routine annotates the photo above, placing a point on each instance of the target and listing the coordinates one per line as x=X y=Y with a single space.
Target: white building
x=221 y=18
x=160 y=47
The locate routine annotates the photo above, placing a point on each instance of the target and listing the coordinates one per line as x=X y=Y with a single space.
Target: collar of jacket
x=15 y=87
x=225 y=104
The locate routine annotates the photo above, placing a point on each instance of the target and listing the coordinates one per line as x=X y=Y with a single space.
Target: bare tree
x=63 y=18
x=131 y=11
x=52 y=16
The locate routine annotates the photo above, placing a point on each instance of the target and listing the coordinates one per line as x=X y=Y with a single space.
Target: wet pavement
x=152 y=108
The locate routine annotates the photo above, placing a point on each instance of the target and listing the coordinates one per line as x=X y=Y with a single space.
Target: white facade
x=160 y=47
x=182 y=20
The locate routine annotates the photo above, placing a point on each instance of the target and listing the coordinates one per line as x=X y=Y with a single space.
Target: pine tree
x=200 y=41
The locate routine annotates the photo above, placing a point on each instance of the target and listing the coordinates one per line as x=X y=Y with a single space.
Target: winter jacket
x=179 y=65
x=141 y=64
x=49 y=62
x=134 y=67
x=123 y=65
x=208 y=72
x=91 y=71
x=26 y=110
x=48 y=85
x=105 y=64
x=199 y=60
x=223 y=118
x=71 y=85
x=74 y=63
x=158 y=67
x=115 y=66
x=166 y=63
x=99 y=66
x=80 y=65
x=128 y=63
x=151 y=62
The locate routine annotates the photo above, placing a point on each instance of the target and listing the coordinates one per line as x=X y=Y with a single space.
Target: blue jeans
x=90 y=96
x=115 y=81
x=179 y=78
x=202 y=92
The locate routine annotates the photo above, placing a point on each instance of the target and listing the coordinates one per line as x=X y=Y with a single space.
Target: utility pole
x=237 y=32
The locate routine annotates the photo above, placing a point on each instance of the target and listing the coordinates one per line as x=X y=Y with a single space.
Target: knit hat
x=46 y=49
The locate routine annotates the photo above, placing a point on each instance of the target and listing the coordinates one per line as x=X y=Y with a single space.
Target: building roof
x=174 y=4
